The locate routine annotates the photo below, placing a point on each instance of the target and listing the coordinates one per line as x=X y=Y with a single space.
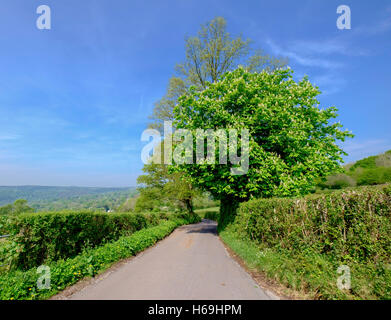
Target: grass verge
x=309 y=275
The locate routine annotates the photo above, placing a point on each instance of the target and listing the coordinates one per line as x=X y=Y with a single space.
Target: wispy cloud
x=334 y=46
x=324 y=53
x=358 y=149
x=9 y=137
x=303 y=57
x=320 y=58
x=381 y=26
x=329 y=83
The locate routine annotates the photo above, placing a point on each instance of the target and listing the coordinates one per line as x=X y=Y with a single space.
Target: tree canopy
x=291 y=140
x=208 y=55
x=161 y=186
x=19 y=206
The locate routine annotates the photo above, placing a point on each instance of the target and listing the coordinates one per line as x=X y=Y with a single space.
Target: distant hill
x=381 y=160
x=58 y=198
x=368 y=171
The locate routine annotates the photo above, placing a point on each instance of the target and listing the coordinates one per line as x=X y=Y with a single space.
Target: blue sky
x=75 y=99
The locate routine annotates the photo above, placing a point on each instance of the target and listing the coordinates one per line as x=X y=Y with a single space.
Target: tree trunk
x=228 y=209
x=189 y=205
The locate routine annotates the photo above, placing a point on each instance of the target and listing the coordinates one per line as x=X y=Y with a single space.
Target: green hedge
x=301 y=243
x=189 y=218
x=45 y=237
x=4 y=224
x=352 y=224
x=212 y=215
x=374 y=176
x=209 y=213
x=22 y=285
x=311 y=275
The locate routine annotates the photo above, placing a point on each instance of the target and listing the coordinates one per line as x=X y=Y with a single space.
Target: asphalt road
x=191 y=263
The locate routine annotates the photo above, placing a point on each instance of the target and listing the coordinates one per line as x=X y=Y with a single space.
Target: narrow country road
x=191 y=263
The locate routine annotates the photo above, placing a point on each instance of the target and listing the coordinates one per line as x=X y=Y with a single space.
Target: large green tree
x=160 y=187
x=19 y=206
x=292 y=142
x=209 y=54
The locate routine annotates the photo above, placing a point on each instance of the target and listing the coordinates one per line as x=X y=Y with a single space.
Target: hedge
x=209 y=213
x=4 y=224
x=50 y=236
x=18 y=285
x=353 y=224
x=212 y=215
x=301 y=243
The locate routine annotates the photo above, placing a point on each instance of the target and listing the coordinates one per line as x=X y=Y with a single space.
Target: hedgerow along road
x=191 y=263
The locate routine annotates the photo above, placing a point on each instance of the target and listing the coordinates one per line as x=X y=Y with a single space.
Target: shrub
x=375 y=176
x=338 y=181
x=209 y=213
x=309 y=274
x=43 y=237
x=189 y=217
x=302 y=242
x=212 y=215
x=366 y=163
x=384 y=160
x=353 y=224
x=204 y=201
x=19 y=206
x=4 y=224
x=22 y=284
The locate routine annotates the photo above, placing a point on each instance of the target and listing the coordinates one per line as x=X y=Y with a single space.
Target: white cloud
x=329 y=83
x=8 y=137
x=336 y=46
x=381 y=26
x=320 y=57
x=358 y=149
x=304 y=58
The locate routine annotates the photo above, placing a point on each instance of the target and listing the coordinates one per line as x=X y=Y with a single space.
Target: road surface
x=191 y=263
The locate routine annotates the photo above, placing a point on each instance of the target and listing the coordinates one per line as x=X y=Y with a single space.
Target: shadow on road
x=206 y=226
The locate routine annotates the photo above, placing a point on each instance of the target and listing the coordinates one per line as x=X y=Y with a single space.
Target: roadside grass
x=270 y=264
x=311 y=244
x=22 y=285
x=309 y=275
